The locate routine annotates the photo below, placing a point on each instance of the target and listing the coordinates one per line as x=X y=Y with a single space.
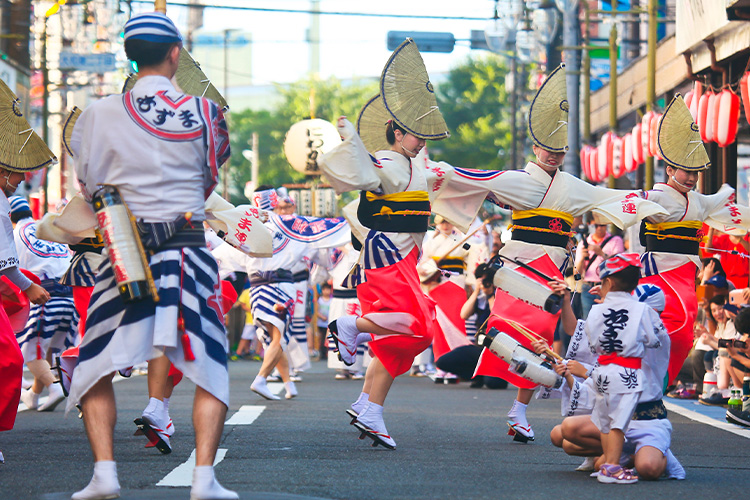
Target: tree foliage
x=326 y=99
x=476 y=108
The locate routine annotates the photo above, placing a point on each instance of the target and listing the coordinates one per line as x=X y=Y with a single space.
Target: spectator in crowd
x=733 y=252
x=741 y=362
x=720 y=327
x=592 y=251
x=321 y=330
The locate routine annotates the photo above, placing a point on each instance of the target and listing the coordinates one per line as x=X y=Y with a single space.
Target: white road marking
x=182 y=475
x=246 y=415
x=698 y=417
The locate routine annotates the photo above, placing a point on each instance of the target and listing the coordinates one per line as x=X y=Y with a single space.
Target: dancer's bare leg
x=99 y=417
x=208 y=421
x=273 y=353
x=381 y=382
x=158 y=370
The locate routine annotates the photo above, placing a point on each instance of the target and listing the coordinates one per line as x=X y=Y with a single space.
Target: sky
x=351 y=46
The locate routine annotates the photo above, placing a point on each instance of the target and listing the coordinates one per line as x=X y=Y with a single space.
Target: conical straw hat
x=21 y=149
x=371 y=125
x=67 y=131
x=548 y=114
x=191 y=79
x=679 y=139
x=408 y=95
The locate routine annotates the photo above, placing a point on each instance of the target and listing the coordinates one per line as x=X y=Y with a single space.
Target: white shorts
x=614 y=411
x=248 y=332
x=656 y=433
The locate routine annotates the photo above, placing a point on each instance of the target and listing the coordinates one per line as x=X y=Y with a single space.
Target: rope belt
x=650 y=410
x=673 y=237
x=344 y=294
x=258 y=278
x=95 y=245
x=542 y=226
x=406 y=212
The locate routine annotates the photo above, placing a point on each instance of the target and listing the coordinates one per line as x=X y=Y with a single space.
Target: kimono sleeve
x=217 y=145
x=725 y=214
x=349 y=166
x=458 y=193
x=651 y=328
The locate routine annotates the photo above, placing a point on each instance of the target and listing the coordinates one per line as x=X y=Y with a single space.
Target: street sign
x=94 y=63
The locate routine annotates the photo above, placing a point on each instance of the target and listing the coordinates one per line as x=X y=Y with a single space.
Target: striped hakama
x=53 y=326
x=121 y=335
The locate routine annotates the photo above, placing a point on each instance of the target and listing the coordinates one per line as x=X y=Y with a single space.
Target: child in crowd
x=324 y=307
x=619 y=330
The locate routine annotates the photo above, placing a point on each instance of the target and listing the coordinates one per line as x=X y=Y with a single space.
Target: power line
x=322 y=13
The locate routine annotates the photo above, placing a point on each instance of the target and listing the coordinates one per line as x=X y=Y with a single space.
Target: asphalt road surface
x=452 y=444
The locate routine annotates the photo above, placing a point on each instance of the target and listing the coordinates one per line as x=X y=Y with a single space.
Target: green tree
x=330 y=99
x=476 y=108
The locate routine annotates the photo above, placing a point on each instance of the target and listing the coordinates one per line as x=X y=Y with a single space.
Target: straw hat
x=67 y=131
x=679 y=139
x=407 y=97
x=21 y=149
x=548 y=114
x=190 y=79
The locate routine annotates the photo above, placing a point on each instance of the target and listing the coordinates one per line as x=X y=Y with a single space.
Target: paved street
x=451 y=444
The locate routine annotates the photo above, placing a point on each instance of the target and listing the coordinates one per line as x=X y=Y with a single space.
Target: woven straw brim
x=371 y=125
x=191 y=79
x=408 y=95
x=67 y=132
x=21 y=149
x=679 y=139
x=548 y=114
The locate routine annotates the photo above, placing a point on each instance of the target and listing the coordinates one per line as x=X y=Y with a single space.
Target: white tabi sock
x=166 y=405
x=205 y=486
x=155 y=407
x=103 y=485
x=360 y=403
x=291 y=389
x=674 y=468
x=363 y=337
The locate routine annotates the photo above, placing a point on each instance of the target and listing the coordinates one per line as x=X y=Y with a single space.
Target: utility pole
x=513 y=110
x=571 y=30
x=45 y=110
x=313 y=38
x=650 y=83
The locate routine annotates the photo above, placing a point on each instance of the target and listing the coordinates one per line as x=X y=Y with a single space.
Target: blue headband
x=152 y=27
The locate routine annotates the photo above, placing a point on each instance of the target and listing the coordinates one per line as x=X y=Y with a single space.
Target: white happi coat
x=46 y=259
x=436 y=246
x=718 y=210
x=8 y=254
x=624 y=326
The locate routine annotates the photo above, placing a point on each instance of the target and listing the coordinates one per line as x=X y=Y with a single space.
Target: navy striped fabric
x=152 y=27
x=263 y=298
x=52 y=326
x=80 y=272
x=120 y=335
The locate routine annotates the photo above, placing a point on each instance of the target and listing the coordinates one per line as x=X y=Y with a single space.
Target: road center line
x=182 y=475
x=246 y=415
x=698 y=417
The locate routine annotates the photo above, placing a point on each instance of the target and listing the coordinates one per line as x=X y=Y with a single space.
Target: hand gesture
x=36 y=294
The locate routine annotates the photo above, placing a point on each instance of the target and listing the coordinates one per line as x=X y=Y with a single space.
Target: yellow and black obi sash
x=542 y=226
x=95 y=245
x=407 y=212
x=673 y=237
x=452 y=264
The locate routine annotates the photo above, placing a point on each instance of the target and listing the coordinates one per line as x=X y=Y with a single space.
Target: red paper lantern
x=712 y=117
x=628 y=162
x=653 y=147
x=646 y=133
x=637 y=145
x=618 y=167
x=697 y=93
x=594 y=165
x=688 y=98
x=745 y=95
x=728 y=118
x=585 y=161
x=703 y=116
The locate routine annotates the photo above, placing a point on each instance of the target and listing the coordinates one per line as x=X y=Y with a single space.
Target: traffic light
x=427 y=41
